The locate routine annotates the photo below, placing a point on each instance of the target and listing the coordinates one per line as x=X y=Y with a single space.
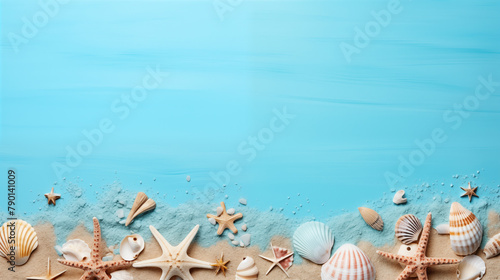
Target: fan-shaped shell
x=314 y=241
x=131 y=246
x=140 y=199
x=471 y=268
x=372 y=218
x=408 y=229
x=348 y=263
x=25 y=238
x=466 y=232
x=76 y=250
x=492 y=248
x=247 y=270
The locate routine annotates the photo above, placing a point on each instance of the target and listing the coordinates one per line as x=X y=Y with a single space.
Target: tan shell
x=372 y=218
x=408 y=229
x=492 y=248
x=26 y=240
x=141 y=205
x=247 y=270
x=466 y=232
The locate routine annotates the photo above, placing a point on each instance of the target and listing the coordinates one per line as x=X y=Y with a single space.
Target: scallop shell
x=408 y=229
x=372 y=218
x=314 y=241
x=247 y=270
x=466 y=232
x=121 y=275
x=131 y=246
x=398 y=197
x=492 y=248
x=24 y=237
x=471 y=268
x=348 y=263
x=139 y=200
x=76 y=250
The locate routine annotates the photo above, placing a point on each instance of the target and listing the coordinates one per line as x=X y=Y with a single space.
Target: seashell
x=76 y=250
x=149 y=205
x=24 y=237
x=139 y=200
x=348 y=263
x=131 y=246
x=372 y=218
x=443 y=229
x=408 y=229
x=246 y=239
x=314 y=241
x=121 y=275
x=471 y=268
x=492 y=248
x=408 y=251
x=247 y=270
x=466 y=232
x=398 y=197
x=280 y=253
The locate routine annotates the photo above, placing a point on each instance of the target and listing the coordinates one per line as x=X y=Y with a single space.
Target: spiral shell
x=348 y=263
x=25 y=241
x=76 y=250
x=314 y=241
x=131 y=246
x=466 y=232
x=492 y=248
x=247 y=270
x=372 y=218
x=408 y=229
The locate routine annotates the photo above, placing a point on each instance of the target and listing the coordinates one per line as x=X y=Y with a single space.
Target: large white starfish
x=174 y=261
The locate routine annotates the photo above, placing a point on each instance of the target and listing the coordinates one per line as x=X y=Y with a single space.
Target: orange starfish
x=470 y=192
x=225 y=220
x=419 y=263
x=52 y=197
x=96 y=268
x=220 y=264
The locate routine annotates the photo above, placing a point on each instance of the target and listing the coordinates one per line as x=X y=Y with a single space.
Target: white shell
x=466 y=232
x=247 y=270
x=314 y=241
x=348 y=263
x=121 y=275
x=25 y=238
x=408 y=251
x=443 y=229
x=131 y=246
x=408 y=229
x=398 y=197
x=471 y=268
x=492 y=248
x=372 y=218
x=76 y=250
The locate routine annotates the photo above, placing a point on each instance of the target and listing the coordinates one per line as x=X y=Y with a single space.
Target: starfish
x=419 y=262
x=225 y=220
x=174 y=261
x=52 y=197
x=48 y=276
x=470 y=192
x=220 y=264
x=96 y=268
x=279 y=259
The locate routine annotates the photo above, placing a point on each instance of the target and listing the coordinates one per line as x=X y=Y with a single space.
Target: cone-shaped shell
x=372 y=218
x=471 y=268
x=466 y=232
x=492 y=248
x=25 y=238
x=131 y=246
x=149 y=205
x=314 y=241
x=408 y=229
x=348 y=263
x=139 y=201
x=76 y=250
x=247 y=270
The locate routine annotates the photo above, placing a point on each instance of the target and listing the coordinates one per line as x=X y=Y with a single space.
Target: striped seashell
x=247 y=270
x=492 y=248
x=314 y=241
x=372 y=218
x=25 y=238
x=466 y=232
x=348 y=263
x=408 y=229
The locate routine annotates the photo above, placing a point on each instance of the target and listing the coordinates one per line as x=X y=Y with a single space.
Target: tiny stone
x=188 y=178
x=243 y=201
x=231 y=211
x=212 y=221
x=231 y=236
x=242 y=244
x=245 y=239
x=244 y=227
x=227 y=196
x=219 y=211
x=235 y=242
x=122 y=222
x=120 y=213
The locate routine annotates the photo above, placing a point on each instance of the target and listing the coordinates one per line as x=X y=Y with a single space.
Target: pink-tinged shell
x=492 y=248
x=281 y=252
x=348 y=263
x=466 y=232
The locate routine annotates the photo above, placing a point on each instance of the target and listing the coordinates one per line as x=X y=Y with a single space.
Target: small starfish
x=470 y=192
x=278 y=259
x=48 y=276
x=96 y=268
x=220 y=264
x=174 y=261
x=52 y=197
x=419 y=263
x=225 y=220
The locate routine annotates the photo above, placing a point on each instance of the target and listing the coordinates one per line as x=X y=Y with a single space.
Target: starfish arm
x=285 y=257
x=395 y=257
x=438 y=261
x=222 y=227
x=424 y=239
x=211 y=216
x=422 y=273
x=271 y=268
x=223 y=206
x=159 y=262
x=194 y=263
x=36 y=278
x=233 y=228
x=266 y=258
x=407 y=272
x=104 y=276
x=184 y=245
x=464 y=189
x=116 y=264
x=86 y=275
x=97 y=240
x=236 y=216
x=165 y=246
x=284 y=270
x=79 y=265
x=57 y=275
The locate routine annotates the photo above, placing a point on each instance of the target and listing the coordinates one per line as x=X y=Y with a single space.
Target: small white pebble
x=231 y=211
x=245 y=239
x=244 y=227
x=188 y=178
x=219 y=211
x=212 y=221
x=242 y=244
x=231 y=236
x=243 y=201
x=235 y=242
x=120 y=213
x=122 y=222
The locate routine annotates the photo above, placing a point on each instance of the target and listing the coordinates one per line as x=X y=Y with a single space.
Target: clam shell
x=443 y=229
x=121 y=275
x=348 y=263
x=24 y=236
x=139 y=200
x=372 y=218
x=408 y=229
x=492 y=248
x=247 y=270
x=131 y=246
x=76 y=250
x=314 y=241
x=466 y=232
x=398 y=197
x=471 y=268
